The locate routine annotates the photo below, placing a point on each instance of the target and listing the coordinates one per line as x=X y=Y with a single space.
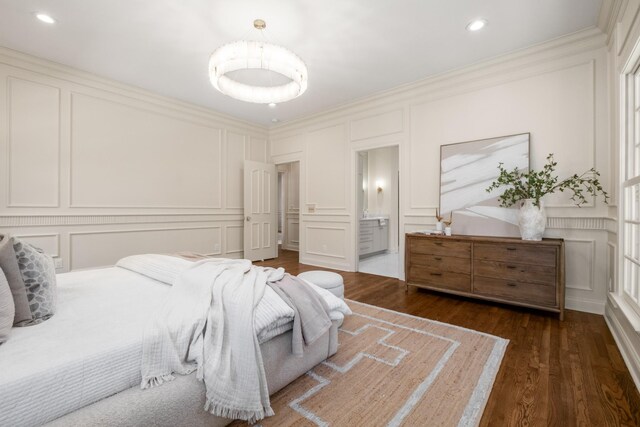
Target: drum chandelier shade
x=243 y=54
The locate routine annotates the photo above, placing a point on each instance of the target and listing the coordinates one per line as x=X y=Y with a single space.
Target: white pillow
x=7 y=308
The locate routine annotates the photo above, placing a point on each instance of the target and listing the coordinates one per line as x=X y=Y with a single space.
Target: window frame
x=629 y=183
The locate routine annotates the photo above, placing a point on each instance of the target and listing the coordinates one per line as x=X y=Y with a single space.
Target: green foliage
x=534 y=185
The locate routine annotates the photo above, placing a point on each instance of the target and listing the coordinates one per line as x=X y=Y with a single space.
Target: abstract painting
x=467 y=169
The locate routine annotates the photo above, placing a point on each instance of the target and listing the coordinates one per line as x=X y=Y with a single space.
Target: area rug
x=393 y=369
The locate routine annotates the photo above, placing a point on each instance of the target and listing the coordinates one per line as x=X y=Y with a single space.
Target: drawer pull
x=512 y=267
x=436 y=274
x=509 y=248
x=513 y=285
x=437 y=258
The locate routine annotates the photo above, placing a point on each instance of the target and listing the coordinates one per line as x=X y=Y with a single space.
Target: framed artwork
x=467 y=169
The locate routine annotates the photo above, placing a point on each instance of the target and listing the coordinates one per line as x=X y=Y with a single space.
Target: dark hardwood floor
x=554 y=373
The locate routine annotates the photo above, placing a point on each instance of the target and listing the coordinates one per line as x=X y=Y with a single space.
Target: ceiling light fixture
x=242 y=55
x=272 y=105
x=274 y=120
x=476 y=24
x=45 y=18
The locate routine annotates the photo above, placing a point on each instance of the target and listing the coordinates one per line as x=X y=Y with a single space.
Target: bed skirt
x=181 y=401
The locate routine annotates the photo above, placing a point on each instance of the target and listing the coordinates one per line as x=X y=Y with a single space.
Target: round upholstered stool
x=325 y=279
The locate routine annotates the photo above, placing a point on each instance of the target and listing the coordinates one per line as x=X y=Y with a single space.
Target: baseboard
x=595 y=307
x=631 y=358
x=290 y=248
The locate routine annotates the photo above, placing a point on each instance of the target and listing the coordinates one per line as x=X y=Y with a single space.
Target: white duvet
x=91 y=348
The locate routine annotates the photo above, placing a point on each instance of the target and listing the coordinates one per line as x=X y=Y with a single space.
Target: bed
x=82 y=366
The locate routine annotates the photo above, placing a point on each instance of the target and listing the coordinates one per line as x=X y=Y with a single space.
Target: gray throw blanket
x=311 y=319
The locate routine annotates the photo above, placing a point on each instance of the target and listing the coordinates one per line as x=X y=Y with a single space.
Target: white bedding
x=90 y=349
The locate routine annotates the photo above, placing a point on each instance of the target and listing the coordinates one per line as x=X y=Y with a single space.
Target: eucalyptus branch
x=536 y=184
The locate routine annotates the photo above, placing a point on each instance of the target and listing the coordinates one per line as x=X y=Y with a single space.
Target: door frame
x=367 y=146
x=291 y=158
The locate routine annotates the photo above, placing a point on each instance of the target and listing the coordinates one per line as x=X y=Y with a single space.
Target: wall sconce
x=379 y=185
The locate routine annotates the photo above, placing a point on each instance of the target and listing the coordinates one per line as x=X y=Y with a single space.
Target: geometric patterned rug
x=394 y=369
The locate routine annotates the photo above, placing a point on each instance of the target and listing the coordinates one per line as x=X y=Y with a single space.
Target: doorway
x=288 y=206
x=378 y=207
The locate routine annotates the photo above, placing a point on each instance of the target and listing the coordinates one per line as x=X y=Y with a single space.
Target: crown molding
x=561 y=47
x=32 y=63
x=608 y=16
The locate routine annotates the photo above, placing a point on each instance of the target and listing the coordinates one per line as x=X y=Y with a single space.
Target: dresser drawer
x=514 y=271
x=517 y=252
x=439 y=279
x=531 y=293
x=366 y=225
x=444 y=263
x=368 y=238
x=440 y=247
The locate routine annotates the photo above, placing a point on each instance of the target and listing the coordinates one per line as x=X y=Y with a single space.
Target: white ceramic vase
x=532 y=220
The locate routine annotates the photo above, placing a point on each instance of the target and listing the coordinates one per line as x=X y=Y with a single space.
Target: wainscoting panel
x=325 y=243
x=234 y=239
x=326 y=172
x=34 y=150
x=105 y=248
x=293 y=233
x=580 y=263
x=127 y=157
x=49 y=243
x=235 y=156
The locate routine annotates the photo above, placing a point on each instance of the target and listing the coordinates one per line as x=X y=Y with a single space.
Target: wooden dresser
x=502 y=269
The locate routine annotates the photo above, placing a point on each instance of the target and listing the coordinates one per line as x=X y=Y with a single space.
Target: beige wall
x=556 y=91
x=92 y=170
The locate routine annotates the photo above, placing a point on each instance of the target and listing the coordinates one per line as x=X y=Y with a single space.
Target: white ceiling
x=352 y=48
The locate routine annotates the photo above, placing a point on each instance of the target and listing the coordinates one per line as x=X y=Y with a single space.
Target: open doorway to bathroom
x=378 y=211
x=288 y=206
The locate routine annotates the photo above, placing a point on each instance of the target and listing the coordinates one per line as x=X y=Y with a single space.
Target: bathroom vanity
x=374 y=235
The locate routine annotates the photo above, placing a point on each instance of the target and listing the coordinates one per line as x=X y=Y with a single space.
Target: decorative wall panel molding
x=10 y=221
x=105 y=247
x=48 y=242
x=33 y=148
x=553 y=222
x=578 y=223
x=580 y=266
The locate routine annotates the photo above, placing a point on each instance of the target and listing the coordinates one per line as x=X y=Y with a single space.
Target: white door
x=260 y=211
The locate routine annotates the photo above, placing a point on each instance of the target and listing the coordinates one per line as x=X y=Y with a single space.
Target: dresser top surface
x=488 y=239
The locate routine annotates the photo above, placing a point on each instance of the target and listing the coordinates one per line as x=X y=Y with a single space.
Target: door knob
x=248 y=218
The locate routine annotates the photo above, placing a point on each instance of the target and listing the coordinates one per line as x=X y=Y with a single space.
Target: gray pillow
x=7 y=309
x=9 y=265
x=39 y=275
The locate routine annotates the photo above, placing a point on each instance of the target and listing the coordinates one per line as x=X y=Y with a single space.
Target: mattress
x=90 y=349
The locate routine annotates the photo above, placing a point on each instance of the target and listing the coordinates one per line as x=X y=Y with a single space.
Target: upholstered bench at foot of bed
x=325 y=279
x=181 y=402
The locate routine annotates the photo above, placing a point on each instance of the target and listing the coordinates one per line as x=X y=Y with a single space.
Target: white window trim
x=630 y=104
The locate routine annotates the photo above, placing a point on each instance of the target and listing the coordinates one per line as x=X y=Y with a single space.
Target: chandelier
x=260 y=55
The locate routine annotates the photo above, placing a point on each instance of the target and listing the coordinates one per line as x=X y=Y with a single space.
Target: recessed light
x=476 y=24
x=274 y=120
x=272 y=105
x=45 y=18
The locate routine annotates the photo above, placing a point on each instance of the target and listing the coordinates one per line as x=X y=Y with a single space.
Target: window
x=630 y=232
